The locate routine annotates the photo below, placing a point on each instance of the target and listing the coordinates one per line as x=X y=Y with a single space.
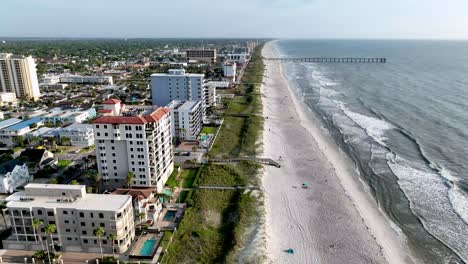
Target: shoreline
x=341 y=222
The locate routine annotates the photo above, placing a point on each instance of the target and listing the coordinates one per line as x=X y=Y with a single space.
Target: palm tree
x=36 y=223
x=112 y=237
x=140 y=217
x=129 y=178
x=3 y=207
x=50 y=229
x=99 y=233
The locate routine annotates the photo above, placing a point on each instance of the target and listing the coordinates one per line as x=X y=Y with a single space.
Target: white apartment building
x=13 y=174
x=18 y=75
x=230 y=70
x=95 y=79
x=7 y=98
x=186 y=119
x=239 y=58
x=178 y=85
x=60 y=116
x=75 y=213
x=139 y=140
x=203 y=55
x=80 y=135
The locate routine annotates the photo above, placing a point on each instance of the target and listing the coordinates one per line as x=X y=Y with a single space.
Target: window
x=85 y=241
x=101 y=215
x=69 y=238
x=39 y=212
x=84 y=232
x=97 y=126
x=81 y=214
x=102 y=225
x=67 y=230
x=106 y=134
x=67 y=222
x=65 y=212
x=105 y=126
x=98 y=134
x=50 y=213
x=91 y=215
x=83 y=223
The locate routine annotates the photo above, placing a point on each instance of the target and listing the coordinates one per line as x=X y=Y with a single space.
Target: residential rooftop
x=9 y=122
x=24 y=124
x=135 y=115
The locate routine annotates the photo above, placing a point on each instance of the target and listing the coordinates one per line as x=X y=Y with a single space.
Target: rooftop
x=111 y=101
x=89 y=201
x=183 y=105
x=177 y=72
x=140 y=193
x=135 y=115
x=24 y=124
x=9 y=122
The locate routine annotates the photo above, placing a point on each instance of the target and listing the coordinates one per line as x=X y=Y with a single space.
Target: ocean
x=404 y=124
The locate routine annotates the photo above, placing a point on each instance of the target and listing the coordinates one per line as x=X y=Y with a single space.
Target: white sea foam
x=429 y=199
x=459 y=202
x=374 y=127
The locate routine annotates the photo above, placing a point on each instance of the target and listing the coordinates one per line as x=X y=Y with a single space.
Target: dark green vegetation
x=243 y=124
x=214 y=228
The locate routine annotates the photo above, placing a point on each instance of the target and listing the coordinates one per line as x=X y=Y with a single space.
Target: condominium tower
x=18 y=75
x=75 y=213
x=203 y=55
x=137 y=140
x=177 y=85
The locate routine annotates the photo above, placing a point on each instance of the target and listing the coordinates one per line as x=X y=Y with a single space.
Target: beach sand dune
x=333 y=220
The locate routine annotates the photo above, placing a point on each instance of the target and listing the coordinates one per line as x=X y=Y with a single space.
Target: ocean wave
x=374 y=127
x=429 y=199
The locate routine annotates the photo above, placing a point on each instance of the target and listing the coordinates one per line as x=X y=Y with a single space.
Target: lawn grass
x=172 y=181
x=64 y=163
x=227 y=142
x=183 y=196
x=188 y=176
x=86 y=149
x=208 y=130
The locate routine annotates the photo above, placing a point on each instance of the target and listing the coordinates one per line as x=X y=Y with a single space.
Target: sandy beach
x=334 y=220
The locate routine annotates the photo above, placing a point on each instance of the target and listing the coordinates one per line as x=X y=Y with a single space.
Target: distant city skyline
x=401 y=19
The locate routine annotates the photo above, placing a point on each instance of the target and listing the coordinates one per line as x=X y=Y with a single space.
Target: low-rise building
x=7 y=98
x=37 y=159
x=95 y=79
x=145 y=203
x=75 y=213
x=186 y=119
x=13 y=174
x=80 y=135
x=60 y=116
x=8 y=134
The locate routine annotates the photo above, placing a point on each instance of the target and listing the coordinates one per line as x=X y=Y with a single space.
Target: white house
x=80 y=135
x=7 y=134
x=13 y=174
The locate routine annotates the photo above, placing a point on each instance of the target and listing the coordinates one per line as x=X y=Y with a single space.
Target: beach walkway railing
x=331 y=60
x=219 y=187
x=266 y=161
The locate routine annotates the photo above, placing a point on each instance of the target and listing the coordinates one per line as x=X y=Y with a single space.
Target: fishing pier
x=331 y=60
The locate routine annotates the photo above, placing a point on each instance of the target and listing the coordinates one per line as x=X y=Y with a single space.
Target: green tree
x=50 y=229
x=54 y=181
x=19 y=141
x=140 y=218
x=74 y=182
x=129 y=178
x=99 y=233
x=36 y=224
x=112 y=237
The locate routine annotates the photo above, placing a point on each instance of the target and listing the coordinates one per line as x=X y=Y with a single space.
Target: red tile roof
x=143 y=193
x=105 y=111
x=111 y=101
x=133 y=120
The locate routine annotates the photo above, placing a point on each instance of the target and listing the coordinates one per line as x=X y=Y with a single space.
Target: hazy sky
x=235 y=18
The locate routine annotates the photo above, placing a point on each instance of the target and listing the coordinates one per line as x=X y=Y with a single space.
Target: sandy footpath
x=334 y=220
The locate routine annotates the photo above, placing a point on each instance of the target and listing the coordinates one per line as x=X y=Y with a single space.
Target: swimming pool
x=169 y=216
x=147 y=248
x=205 y=137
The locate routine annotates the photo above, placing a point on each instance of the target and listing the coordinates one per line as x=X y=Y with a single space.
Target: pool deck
x=162 y=225
x=135 y=252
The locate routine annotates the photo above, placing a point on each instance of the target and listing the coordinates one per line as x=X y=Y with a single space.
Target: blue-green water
x=169 y=216
x=147 y=248
x=404 y=124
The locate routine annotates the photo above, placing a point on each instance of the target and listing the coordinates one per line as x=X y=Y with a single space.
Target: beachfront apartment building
x=241 y=58
x=179 y=85
x=138 y=140
x=186 y=119
x=80 y=135
x=230 y=70
x=93 y=79
x=201 y=55
x=18 y=75
x=75 y=213
x=16 y=129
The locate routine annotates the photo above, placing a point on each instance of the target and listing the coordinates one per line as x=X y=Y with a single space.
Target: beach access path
x=333 y=220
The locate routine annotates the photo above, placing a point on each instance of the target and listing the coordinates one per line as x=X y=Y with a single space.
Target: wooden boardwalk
x=331 y=60
x=265 y=161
